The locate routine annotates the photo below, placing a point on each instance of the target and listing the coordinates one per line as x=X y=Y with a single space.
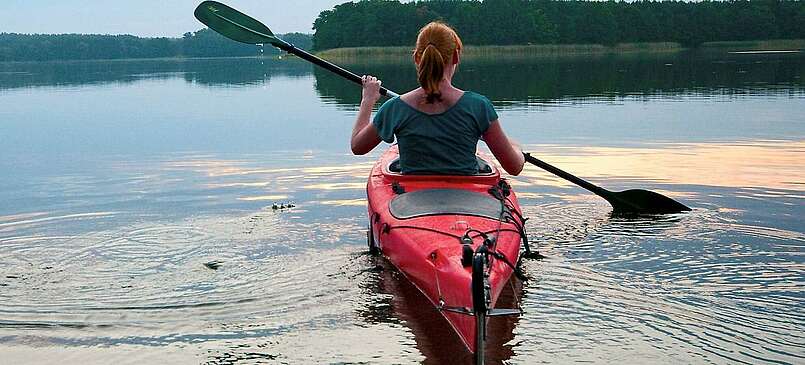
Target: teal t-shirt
x=443 y=143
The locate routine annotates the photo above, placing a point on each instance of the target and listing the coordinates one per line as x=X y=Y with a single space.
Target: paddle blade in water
x=639 y=201
x=233 y=24
x=629 y=202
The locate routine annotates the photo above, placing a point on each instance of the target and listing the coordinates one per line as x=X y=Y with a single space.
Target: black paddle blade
x=233 y=24
x=629 y=202
x=643 y=202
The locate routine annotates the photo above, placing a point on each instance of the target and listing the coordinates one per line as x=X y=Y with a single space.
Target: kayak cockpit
x=484 y=167
x=431 y=202
x=389 y=168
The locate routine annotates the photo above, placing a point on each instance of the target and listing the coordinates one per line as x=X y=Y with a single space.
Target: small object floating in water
x=213 y=265
x=282 y=206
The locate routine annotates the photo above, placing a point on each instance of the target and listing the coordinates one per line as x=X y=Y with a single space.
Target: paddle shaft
x=290 y=48
x=597 y=190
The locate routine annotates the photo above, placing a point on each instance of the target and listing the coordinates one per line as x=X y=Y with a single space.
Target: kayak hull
x=422 y=238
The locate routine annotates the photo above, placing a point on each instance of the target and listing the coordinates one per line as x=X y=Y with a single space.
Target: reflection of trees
x=232 y=71
x=398 y=77
x=505 y=81
x=243 y=71
x=557 y=78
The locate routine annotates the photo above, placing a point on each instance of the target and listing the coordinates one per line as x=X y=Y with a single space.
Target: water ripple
x=246 y=281
x=699 y=280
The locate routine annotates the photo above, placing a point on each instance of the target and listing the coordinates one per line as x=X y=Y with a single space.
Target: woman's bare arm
x=364 y=134
x=506 y=151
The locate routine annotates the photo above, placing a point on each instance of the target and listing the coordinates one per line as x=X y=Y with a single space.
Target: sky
x=149 y=18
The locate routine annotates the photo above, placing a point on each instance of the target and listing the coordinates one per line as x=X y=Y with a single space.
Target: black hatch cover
x=444 y=201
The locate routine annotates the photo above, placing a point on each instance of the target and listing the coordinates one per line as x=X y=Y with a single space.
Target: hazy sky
x=148 y=17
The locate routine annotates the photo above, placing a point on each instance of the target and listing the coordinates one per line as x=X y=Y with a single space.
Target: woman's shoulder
x=392 y=100
x=476 y=101
x=481 y=107
x=390 y=104
x=476 y=97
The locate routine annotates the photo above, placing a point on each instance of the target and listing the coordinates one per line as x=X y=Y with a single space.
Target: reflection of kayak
x=399 y=301
x=456 y=238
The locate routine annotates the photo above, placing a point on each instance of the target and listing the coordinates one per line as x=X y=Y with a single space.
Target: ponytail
x=431 y=72
x=435 y=46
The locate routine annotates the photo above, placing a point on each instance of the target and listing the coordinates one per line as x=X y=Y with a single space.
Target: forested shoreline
x=376 y=23
x=389 y=23
x=202 y=43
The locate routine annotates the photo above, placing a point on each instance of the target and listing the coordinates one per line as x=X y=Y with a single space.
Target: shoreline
x=398 y=53
x=148 y=59
x=561 y=50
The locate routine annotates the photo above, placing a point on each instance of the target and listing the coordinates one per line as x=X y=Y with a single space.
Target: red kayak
x=456 y=238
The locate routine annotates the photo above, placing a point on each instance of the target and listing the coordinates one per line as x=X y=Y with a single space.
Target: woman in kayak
x=437 y=125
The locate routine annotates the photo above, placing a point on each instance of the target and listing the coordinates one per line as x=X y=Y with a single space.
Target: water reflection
x=395 y=300
x=768 y=166
x=207 y=72
x=137 y=220
x=686 y=278
x=506 y=81
x=520 y=82
x=647 y=286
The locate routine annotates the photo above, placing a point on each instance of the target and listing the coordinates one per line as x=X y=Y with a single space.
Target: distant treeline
x=509 y=22
x=203 y=43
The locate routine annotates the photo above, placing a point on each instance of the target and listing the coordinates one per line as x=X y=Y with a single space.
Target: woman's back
x=436 y=143
x=436 y=125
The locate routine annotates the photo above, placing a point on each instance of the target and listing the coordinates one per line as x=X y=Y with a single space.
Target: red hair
x=435 y=46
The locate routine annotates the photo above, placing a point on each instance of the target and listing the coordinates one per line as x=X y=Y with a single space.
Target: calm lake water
x=136 y=220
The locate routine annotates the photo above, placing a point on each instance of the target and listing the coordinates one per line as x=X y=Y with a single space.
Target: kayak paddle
x=633 y=201
x=243 y=28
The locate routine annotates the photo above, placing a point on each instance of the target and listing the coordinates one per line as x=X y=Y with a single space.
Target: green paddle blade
x=234 y=24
